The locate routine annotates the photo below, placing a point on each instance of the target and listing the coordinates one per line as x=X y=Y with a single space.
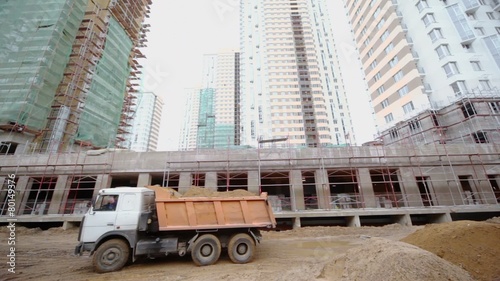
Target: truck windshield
x=106 y=203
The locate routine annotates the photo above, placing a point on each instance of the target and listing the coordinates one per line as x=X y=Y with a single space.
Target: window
x=370 y=52
x=373 y=64
x=367 y=41
x=389 y=48
x=468 y=109
x=394 y=133
x=384 y=36
x=480 y=137
x=451 y=69
x=398 y=76
x=428 y=19
x=106 y=203
x=460 y=22
x=471 y=16
x=377 y=77
x=479 y=30
x=407 y=108
x=495 y=107
x=497 y=29
x=380 y=90
x=459 y=88
x=385 y=103
x=476 y=65
x=436 y=34
x=388 y=118
x=422 y=5
x=414 y=125
x=380 y=23
x=485 y=84
x=394 y=61
x=490 y=15
x=376 y=13
x=443 y=51
x=403 y=91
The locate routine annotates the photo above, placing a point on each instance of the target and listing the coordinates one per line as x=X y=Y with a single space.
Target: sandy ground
x=314 y=253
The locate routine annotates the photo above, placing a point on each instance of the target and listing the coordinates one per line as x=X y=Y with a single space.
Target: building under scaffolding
x=472 y=118
x=68 y=71
x=352 y=186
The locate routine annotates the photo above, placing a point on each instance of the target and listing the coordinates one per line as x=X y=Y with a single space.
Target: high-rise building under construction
x=291 y=84
x=67 y=71
x=432 y=68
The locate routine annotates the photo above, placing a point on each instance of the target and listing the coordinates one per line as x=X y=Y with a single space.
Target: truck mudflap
x=256 y=235
x=84 y=247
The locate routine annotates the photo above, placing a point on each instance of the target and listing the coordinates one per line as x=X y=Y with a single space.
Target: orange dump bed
x=192 y=213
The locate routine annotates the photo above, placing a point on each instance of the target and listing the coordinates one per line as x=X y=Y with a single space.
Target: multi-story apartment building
x=291 y=84
x=189 y=128
x=433 y=68
x=146 y=122
x=212 y=115
x=66 y=69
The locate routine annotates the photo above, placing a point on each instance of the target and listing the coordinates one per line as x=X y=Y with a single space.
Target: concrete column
x=211 y=180
x=22 y=193
x=296 y=223
x=353 y=221
x=296 y=190
x=102 y=181
x=144 y=179
x=404 y=220
x=58 y=195
x=322 y=189
x=253 y=182
x=411 y=193
x=185 y=182
x=366 y=188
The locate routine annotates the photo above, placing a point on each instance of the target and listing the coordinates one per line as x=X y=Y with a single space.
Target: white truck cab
x=115 y=210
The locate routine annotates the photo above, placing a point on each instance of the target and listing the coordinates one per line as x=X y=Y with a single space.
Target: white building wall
x=146 y=125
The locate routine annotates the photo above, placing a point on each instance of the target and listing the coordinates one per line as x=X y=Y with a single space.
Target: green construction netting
x=210 y=133
x=103 y=106
x=36 y=39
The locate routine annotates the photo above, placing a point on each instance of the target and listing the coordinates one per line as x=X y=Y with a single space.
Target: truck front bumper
x=84 y=247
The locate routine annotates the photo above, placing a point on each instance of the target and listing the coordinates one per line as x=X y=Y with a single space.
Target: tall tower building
x=433 y=68
x=146 y=122
x=212 y=118
x=67 y=69
x=291 y=83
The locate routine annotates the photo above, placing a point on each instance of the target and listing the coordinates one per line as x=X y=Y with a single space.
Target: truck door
x=101 y=218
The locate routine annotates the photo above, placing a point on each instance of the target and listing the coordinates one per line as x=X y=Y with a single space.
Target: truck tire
x=241 y=248
x=111 y=255
x=206 y=250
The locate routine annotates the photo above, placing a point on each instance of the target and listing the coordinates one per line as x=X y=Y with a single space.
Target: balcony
x=427 y=88
x=415 y=55
x=495 y=4
x=471 y=5
x=421 y=71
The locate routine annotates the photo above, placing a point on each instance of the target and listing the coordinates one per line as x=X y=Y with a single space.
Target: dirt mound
x=205 y=192
x=475 y=246
x=382 y=259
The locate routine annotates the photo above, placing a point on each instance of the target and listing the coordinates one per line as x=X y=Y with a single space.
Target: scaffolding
x=35 y=50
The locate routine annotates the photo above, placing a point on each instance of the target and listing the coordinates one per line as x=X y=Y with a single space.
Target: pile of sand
x=474 y=246
x=382 y=259
x=196 y=191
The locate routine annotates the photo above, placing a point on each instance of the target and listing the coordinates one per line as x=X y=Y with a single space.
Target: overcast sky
x=182 y=31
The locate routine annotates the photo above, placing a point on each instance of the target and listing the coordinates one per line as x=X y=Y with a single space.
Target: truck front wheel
x=206 y=250
x=111 y=255
x=241 y=248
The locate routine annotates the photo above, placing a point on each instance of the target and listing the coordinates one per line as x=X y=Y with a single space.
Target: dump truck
x=126 y=223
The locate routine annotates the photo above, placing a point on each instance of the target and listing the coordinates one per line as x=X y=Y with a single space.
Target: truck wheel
x=206 y=250
x=241 y=248
x=112 y=255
